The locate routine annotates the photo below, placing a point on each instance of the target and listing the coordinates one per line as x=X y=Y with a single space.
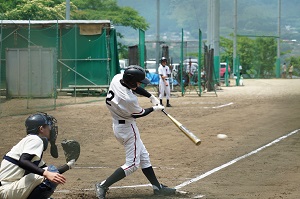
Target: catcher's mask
x=35 y=121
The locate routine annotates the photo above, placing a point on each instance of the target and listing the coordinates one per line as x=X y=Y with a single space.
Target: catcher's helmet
x=33 y=122
x=134 y=74
x=163 y=59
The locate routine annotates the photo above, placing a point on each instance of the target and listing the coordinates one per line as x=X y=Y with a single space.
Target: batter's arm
x=146 y=112
x=143 y=92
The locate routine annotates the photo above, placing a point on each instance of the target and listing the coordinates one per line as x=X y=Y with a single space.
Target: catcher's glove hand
x=71 y=149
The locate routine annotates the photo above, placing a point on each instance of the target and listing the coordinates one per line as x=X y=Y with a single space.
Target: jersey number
x=108 y=99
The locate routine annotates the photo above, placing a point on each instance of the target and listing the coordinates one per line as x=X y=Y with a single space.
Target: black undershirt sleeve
x=147 y=111
x=26 y=164
x=143 y=92
x=63 y=168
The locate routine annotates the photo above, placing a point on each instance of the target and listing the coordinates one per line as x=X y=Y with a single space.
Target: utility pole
x=216 y=39
x=235 y=67
x=157 y=34
x=278 y=41
x=67 y=9
x=209 y=23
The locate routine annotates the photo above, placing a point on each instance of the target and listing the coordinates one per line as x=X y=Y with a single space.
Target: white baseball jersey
x=14 y=183
x=31 y=144
x=122 y=104
x=164 y=71
x=191 y=69
x=121 y=101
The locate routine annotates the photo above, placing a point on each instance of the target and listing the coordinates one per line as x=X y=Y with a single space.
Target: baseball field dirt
x=258 y=159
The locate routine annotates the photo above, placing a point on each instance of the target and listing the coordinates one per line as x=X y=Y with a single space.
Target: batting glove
x=158 y=107
x=71 y=164
x=154 y=100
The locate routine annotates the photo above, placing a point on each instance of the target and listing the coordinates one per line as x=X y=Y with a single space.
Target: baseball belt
x=121 y=121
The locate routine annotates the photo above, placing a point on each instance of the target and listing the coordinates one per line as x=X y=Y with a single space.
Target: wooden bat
x=188 y=133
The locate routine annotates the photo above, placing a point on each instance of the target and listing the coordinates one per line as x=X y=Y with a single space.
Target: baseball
x=222 y=136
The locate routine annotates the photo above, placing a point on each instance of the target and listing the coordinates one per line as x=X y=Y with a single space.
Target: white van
x=123 y=63
x=151 y=66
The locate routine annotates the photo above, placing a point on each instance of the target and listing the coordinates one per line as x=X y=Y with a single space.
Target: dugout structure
x=45 y=58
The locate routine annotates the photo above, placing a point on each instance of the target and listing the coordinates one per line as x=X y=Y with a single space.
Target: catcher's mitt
x=71 y=149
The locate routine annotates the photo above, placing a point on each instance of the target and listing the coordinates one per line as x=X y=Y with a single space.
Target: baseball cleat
x=169 y=105
x=100 y=191
x=164 y=190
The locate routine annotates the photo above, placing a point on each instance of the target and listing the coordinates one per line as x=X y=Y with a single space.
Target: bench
x=91 y=89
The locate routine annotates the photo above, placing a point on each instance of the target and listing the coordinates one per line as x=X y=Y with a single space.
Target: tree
x=266 y=55
x=295 y=61
x=245 y=52
x=80 y=9
x=255 y=55
x=109 y=10
x=33 y=9
x=226 y=49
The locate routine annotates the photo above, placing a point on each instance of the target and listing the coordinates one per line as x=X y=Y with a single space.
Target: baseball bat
x=186 y=132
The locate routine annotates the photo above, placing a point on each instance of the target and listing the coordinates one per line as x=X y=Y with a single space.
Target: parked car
x=150 y=66
x=192 y=60
x=223 y=69
x=123 y=64
x=175 y=68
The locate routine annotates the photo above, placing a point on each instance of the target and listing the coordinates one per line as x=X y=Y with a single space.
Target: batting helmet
x=134 y=74
x=163 y=59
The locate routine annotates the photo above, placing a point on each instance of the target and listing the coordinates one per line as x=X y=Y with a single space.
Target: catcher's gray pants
x=22 y=188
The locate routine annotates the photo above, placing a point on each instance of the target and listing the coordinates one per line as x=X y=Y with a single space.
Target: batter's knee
x=129 y=169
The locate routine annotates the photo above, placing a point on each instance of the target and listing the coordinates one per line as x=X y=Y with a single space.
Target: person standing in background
x=283 y=74
x=164 y=84
x=291 y=71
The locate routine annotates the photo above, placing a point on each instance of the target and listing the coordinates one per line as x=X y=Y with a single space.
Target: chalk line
x=223 y=105
x=233 y=161
x=205 y=174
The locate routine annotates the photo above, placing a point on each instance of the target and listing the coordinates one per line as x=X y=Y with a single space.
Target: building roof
x=20 y=22
x=9 y=23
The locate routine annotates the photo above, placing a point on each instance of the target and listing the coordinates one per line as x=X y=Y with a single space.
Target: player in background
x=124 y=108
x=164 y=84
x=23 y=173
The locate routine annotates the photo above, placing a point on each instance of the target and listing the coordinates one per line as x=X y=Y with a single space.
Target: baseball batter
x=23 y=173
x=164 y=84
x=124 y=107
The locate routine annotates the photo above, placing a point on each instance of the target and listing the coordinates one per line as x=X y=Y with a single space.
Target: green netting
x=142 y=48
x=82 y=62
x=82 y=59
x=115 y=65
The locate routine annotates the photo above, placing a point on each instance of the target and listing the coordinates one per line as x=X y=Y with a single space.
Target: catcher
x=23 y=173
